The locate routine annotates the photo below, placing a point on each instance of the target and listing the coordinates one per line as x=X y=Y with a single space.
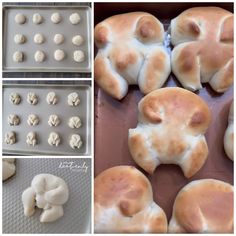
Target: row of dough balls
x=51 y=98
x=55 y=18
x=54 y=139
x=53 y=121
x=40 y=56
x=58 y=39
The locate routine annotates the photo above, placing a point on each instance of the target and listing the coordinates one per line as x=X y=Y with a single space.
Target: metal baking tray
x=48 y=29
x=43 y=110
x=77 y=210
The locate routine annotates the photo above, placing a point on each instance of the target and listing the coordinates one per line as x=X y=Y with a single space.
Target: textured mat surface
x=77 y=210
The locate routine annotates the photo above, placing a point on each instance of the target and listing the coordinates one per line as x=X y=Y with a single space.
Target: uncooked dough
x=32 y=120
x=18 y=56
x=10 y=138
x=54 y=139
x=20 y=18
x=59 y=55
x=52 y=98
x=48 y=192
x=13 y=120
x=56 y=18
x=19 y=39
x=37 y=18
x=75 y=18
x=31 y=139
x=74 y=122
x=58 y=39
x=73 y=99
x=38 y=38
x=14 y=98
x=39 y=56
x=32 y=98
x=77 y=40
x=8 y=168
x=78 y=56
x=75 y=141
x=53 y=120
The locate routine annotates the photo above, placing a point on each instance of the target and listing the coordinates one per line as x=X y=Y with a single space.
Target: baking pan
x=43 y=110
x=48 y=29
x=114 y=118
x=77 y=210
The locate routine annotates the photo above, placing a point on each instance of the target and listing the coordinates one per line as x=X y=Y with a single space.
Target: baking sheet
x=114 y=118
x=77 y=210
x=48 y=29
x=43 y=110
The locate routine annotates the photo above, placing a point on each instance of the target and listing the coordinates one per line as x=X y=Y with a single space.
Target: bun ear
x=101 y=34
x=227 y=30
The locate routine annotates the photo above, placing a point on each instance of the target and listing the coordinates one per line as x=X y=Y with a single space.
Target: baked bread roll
x=229 y=134
x=124 y=203
x=131 y=51
x=203 y=53
x=170 y=130
x=203 y=206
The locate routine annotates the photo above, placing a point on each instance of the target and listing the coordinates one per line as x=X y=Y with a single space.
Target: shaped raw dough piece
x=10 y=138
x=39 y=56
x=39 y=38
x=73 y=99
x=53 y=120
x=32 y=98
x=52 y=98
x=170 y=130
x=75 y=18
x=19 y=39
x=54 y=139
x=203 y=53
x=18 y=56
x=20 y=18
x=131 y=51
x=13 y=120
x=59 y=55
x=31 y=139
x=229 y=134
x=37 y=18
x=8 y=168
x=56 y=18
x=77 y=40
x=123 y=203
x=14 y=98
x=75 y=141
x=48 y=192
x=32 y=120
x=58 y=39
x=74 y=122
x=78 y=56
x=203 y=206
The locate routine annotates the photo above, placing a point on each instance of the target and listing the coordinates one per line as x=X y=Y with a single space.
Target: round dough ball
x=39 y=38
x=18 y=56
x=56 y=18
x=77 y=40
x=37 y=18
x=32 y=120
x=32 y=98
x=54 y=139
x=59 y=55
x=13 y=120
x=78 y=56
x=75 y=141
x=10 y=138
x=52 y=98
x=39 y=56
x=20 y=18
x=19 y=39
x=58 y=39
x=14 y=98
x=75 y=18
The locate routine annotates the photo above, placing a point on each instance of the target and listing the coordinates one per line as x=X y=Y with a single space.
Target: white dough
x=77 y=40
x=19 y=39
x=18 y=56
x=10 y=138
x=56 y=18
x=31 y=139
x=48 y=192
x=32 y=98
x=32 y=120
x=58 y=39
x=59 y=55
x=78 y=56
x=20 y=18
x=13 y=120
x=14 y=98
x=75 y=18
x=75 y=141
x=73 y=99
x=74 y=122
x=53 y=120
x=39 y=56
x=8 y=168
x=38 y=38
x=52 y=98
x=37 y=18
x=54 y=139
